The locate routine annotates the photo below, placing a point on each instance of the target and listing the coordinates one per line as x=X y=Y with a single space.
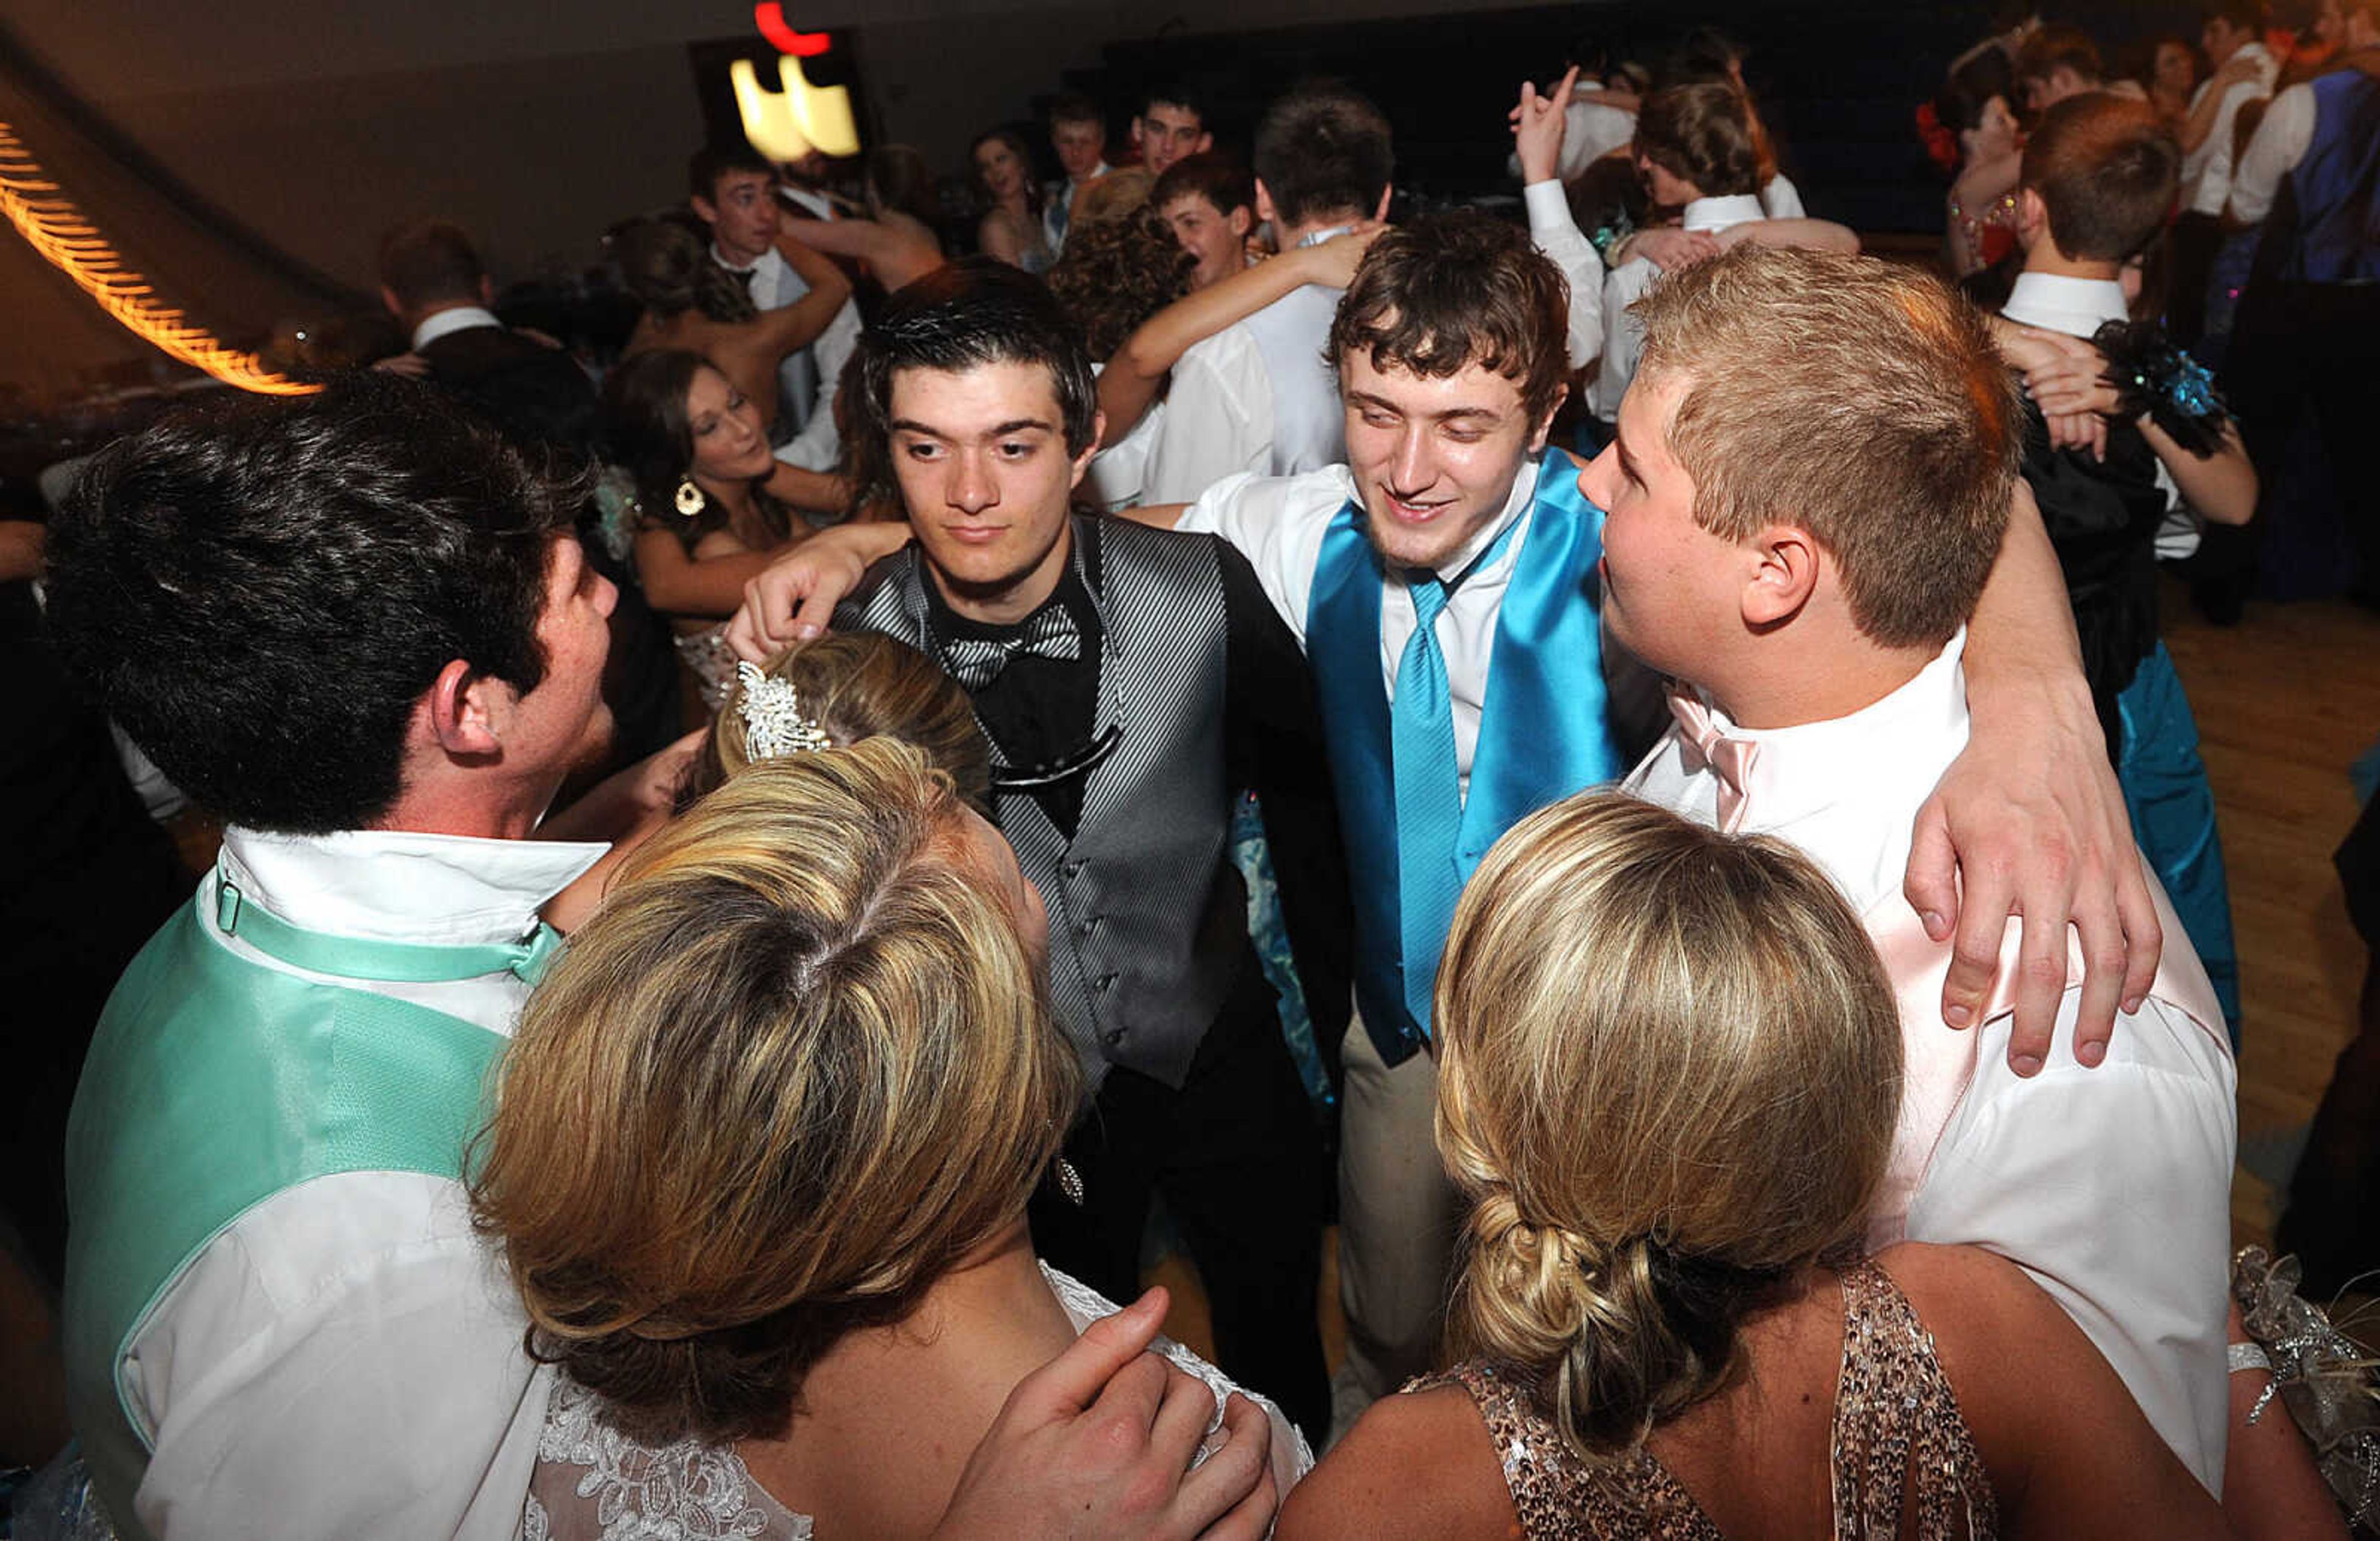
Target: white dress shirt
x=1623 y=334
x=1780 y=199
x=2279 y=143
x=1278 y=524
x=346 y=1358
x=1590 y=131
x=2206 y=171
x=2109 y=1187
x=446 y=322
x=1119 y=472
x=807 y=376
x=1258 y=398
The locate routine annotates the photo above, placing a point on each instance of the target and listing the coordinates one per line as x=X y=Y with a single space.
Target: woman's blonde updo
x=796 y=1067
x=856 y=686
x=1669 y=1071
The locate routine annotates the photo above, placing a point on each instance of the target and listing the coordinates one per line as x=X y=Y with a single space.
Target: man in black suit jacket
x=433 y=283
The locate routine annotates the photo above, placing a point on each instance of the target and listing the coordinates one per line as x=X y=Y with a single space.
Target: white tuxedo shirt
x=2109 y=1187
x=345 y=1359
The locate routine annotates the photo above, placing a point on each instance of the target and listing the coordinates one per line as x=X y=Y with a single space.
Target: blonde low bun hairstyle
x=1669 y=1072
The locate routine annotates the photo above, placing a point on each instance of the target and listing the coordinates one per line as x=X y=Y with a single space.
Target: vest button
x=1106 y=982
x=1071 y=869
x=1090 y=923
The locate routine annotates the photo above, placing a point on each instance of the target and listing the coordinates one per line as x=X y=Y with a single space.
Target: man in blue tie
x=1445 y=585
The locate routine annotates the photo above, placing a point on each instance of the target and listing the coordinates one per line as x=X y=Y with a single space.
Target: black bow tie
x=975 y=661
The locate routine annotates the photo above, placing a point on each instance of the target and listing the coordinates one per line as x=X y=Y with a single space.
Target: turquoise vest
x=214 y=1083
x=1542 y=731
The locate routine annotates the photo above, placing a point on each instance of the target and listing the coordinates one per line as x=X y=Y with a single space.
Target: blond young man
x=1820 y=640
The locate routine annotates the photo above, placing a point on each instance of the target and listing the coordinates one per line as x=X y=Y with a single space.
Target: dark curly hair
x=1116 y=273
x=261 y=590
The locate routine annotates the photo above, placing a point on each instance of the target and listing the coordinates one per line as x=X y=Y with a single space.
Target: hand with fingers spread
x=793 y=599
x=2029 y=823
x=1099 y=1443
x=1537 y=127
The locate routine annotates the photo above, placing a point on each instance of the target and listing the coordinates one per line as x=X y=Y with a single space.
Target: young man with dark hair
x=1258 y=396
x=1698 y=148
x=2306 y=343
x=2098 y=178
x=1208 y=202
x=733 y=190
x=1133 y=684
x=1171 y=125
x=1818 y=643
x=1078 y=132
x=354 y=626
x=2056 y=61
x=2243 y=71
x=1445 y=585
x=433 y=281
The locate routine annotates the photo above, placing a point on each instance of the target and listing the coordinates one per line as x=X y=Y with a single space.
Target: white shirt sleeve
x=1623 y=336
x=1780 y=199
x=2111 y=1188
x=1217 y=420
x=1277 y=522
x=1556 y=235
x=345 y=1360
x=2280 y=144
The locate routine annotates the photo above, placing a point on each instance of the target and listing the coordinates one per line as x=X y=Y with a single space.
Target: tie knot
x=1429 y=595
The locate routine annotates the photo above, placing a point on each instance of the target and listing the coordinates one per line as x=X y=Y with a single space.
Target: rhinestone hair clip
x=773 y=723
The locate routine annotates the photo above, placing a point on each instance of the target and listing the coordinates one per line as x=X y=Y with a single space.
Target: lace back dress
x=1898 y=1435
x=594 y=1484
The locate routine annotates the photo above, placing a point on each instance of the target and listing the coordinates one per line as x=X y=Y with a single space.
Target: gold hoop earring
x=689 y=497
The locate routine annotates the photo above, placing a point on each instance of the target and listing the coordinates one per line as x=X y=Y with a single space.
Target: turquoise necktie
x=1429 y=795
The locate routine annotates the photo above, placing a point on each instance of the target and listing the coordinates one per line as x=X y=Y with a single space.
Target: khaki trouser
x=1397 y=1217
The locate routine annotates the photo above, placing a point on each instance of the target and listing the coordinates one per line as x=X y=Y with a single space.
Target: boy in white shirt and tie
x=1809 y=570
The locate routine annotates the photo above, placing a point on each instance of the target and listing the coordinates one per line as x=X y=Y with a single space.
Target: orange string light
x=71 y=243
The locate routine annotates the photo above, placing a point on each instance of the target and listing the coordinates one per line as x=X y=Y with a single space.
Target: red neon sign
x=769 y=16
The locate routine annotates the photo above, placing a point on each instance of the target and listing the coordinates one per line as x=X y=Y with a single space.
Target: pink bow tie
x=1703 y=746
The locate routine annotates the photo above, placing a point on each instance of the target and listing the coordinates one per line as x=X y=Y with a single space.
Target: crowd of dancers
x=1623 y=758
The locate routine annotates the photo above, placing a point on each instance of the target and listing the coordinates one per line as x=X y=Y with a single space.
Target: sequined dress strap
x=1897 y=1431
x=1557 y=1496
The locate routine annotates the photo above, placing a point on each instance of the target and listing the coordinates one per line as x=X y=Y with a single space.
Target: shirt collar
x=2054 y=302
x=760 y=263
x=459 y=318
x=1812 y=766
x=1721 y=214
x=397 y=885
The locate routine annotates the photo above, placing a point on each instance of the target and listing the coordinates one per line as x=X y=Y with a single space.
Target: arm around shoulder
x=1416 y=1465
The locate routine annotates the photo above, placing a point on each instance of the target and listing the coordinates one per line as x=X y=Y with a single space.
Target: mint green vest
x=214 y=1083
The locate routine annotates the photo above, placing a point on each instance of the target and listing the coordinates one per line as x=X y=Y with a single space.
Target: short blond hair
x=1669 y=1072
x=796 y=1067
x=855 y=685
x=1860 y=400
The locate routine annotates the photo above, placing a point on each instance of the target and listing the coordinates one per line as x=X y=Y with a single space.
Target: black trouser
x=2332 y=1219
x=2301 y=351
x=1237 y=1157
